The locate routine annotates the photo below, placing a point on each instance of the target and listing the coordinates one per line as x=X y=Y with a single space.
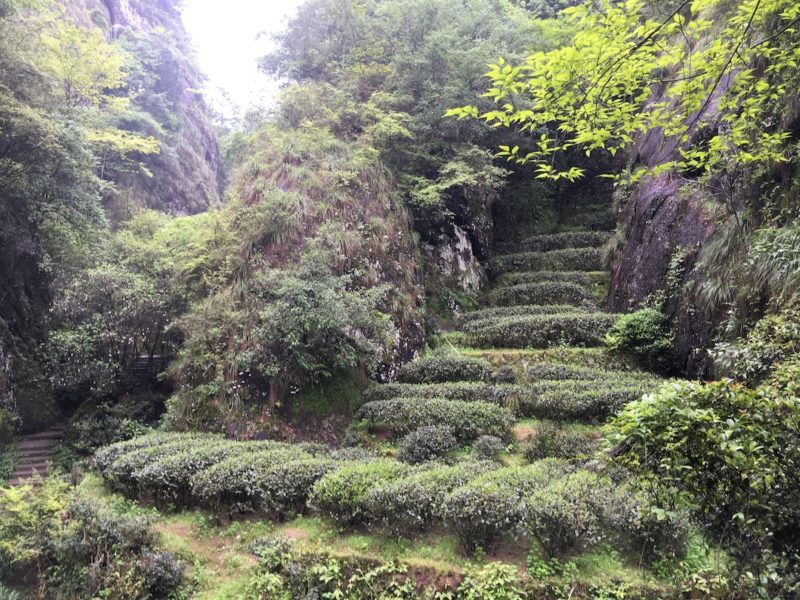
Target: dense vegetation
x=408 y=355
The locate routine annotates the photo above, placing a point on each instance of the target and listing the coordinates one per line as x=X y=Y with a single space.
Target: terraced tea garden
x=490 y=440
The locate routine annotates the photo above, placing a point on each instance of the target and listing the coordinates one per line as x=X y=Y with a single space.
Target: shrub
x=468 y=420
x=504 y=374
x=106 y=455
x=168 y=481
x=101 y=554
x=557 y=399
x=547 y=292
x=488 y=447
x=427 y=443
x=561 y=241
x=567 y=513
x=232 y=485
x=645 y=335
x=121 y=474
x=285 y=488
x=414 y=502
x=560 y=371
x=639 y=524
x=570 y=259
x=437 y=369
x=499 y=312
x=731 y=450
x=574 y=404
x=540 y=331
x=494 y=581
x=554 y=441
x=29 y=517
x=342 y=494
x=774 y=338
x=584 y=278
x=491 y=505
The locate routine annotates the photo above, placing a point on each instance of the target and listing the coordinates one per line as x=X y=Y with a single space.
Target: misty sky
x=229 y=36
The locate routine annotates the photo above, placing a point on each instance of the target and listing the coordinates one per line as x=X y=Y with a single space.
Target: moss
x=339 y=394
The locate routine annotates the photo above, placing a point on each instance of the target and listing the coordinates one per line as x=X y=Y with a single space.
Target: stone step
x=28 y=471
x=26 y=459
x=34 y=445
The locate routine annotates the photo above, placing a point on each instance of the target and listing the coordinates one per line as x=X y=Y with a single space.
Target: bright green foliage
x=644 y=334
x=541 y=331
x=442 y=368
x=491 y=505
x=343 y=494
x=775 y=338
x=28 y=518
x=468 y=420
x=729 y=451
x=426 y=443
x=495 y=580
x=412 y=503
x=632 y=69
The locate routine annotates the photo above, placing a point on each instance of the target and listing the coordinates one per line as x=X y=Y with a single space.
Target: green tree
x=717 y=92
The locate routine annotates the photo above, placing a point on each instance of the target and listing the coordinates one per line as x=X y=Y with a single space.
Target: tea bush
x=101 y=554
x=560 y=371
x=437 y=369
x=561 y=241
x=491 y=505
x=570 y=259
x=557 y=399
x=547 y=293
x=106 y=455
x=412 y=503
x=342 y=495
x=488 y=447
x=121 y=475
x=498 y=312
x=732 y=452
x=592 y=404
x=584 y=278
x=232 y=485
x=540 y=331
x=426 y=444
x=284 y=488
x=555 y=441
x=468 y=420
x=167 y=481
x=645 y=335
x=567 y=513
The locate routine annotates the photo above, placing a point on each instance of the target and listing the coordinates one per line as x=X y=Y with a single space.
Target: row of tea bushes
x=540 y=331
x=554 y=398
x=561 y=241
x=467 y=420
x=543 y=293
x=585 y=278
x=570 y=259
x=448 y=367
x=500 y=312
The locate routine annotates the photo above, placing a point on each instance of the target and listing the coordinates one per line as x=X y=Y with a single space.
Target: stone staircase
x=34 y=455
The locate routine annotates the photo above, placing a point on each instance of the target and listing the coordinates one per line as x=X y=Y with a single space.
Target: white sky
x=229 y=37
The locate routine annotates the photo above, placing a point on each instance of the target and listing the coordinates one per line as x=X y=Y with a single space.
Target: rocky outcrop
x=183 y=177
x=455 y=260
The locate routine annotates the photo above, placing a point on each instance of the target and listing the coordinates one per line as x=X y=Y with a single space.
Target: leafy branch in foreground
x=634 y=68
